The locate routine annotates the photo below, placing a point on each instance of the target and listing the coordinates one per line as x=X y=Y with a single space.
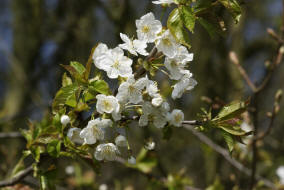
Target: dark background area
x=36 y=36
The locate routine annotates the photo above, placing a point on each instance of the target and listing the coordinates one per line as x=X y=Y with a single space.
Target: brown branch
x=234 y=59
x=272 y=116
x=142 y=70
x=227 y=155
x=20 y=176
x=11 y=135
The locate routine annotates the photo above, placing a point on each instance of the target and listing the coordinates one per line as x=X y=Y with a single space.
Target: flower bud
x=150 y=145
x=131 y=160
x=121 y=141
x=65 y=119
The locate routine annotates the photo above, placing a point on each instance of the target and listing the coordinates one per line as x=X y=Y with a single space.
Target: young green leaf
x=65 y=96
x=66 y=80
x=234 y=130
x=187 y=17
x=99 y=86
x=233 y=7
x=76 y=70
x=231 y=111
x=175 y=25
x=229 y=140
x=53 y=148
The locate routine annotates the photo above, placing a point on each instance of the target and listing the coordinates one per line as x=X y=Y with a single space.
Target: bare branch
x=226 y=155
x=234 y=59
x=20 y=176
x=11 y=135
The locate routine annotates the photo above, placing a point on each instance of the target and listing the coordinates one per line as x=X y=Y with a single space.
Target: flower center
x=178 y=118
x=116 y=64
x=145 y=29
x=174 y=64
x=166 y=42
x=108 y=151
x=131 y=89
x=107 y=105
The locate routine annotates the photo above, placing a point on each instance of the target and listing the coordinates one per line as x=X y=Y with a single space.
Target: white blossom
x=150 y=145
x=183 y=56
x=103 y=187
x=167 y=44
x=155 y=115
x=94 y=130
x=176 y=117
x=131 y=160
x=157 y=100
x=163 y=2
x=176 y=68
x=106 y=151
x=69 y=170
x=65 y=119
x=185 y=83
x=148 y=28
x=115 y=63
x=131 y=90
x=152 y=88
x=133 y=46
x=107 y=104
x=280 y=174
x=99 y=54
x=74 y=135
x=121 y=141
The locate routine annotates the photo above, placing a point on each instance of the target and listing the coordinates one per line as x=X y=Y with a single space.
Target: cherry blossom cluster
x=136 y=95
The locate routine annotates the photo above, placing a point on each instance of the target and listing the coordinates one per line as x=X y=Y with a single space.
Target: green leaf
x=210 y=28
x=234 y=130
x=175 y=25
x=229 y=140
x=89 y=63
x=231 y=111
x=53 y=148
x=78 y=67
x=36 y=153
x=233 y=7
x=202 y=5
x=66 y=80
x=65 y=96
x=99 y=86
x=88 y=96
x=76 y=70
x=187 y=17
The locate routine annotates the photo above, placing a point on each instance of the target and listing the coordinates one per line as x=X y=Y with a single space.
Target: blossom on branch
x=148 y=28
x=106 y=151
x=133 y=46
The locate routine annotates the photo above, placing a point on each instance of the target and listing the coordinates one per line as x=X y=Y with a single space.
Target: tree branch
x=11 y=135
x=234 y=59
x=21 y=175
x=226 y=155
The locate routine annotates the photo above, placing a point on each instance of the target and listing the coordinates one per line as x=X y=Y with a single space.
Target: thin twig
x=11 y=135
x=235 y=61
x=226 y=155
x=14 y=180
x=274 y=112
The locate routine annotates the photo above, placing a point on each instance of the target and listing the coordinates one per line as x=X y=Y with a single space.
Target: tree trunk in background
x=27 y=40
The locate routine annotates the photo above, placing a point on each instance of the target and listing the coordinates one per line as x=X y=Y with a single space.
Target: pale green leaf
x=176 y=27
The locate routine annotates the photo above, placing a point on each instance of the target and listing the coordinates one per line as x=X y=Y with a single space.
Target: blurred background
x=36 y=36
